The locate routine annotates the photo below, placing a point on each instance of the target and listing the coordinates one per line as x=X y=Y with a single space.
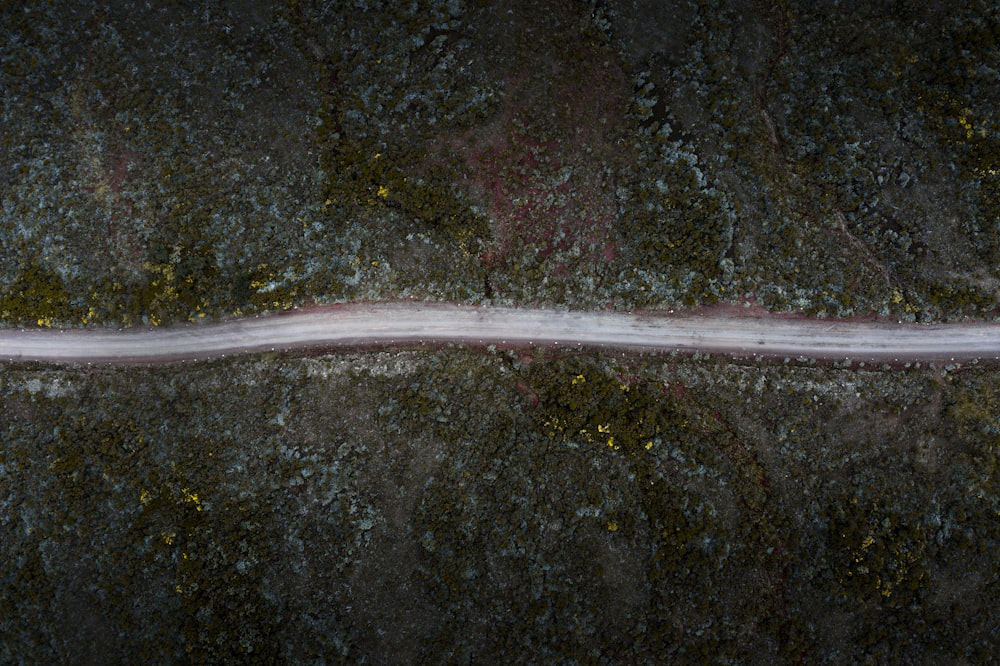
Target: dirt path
x=377 y=325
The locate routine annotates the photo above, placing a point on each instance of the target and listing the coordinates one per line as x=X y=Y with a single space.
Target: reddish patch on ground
x=525 y=389
x=544 y=169
x=543 y=197
x=110 y=173
x=675 y=390
x=122 y=166
x=627 y=380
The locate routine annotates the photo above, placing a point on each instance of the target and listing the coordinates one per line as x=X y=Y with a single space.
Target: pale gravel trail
x=367 y=325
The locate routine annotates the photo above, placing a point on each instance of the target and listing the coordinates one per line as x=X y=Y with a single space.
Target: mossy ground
x=835 y=161
x=439 y=506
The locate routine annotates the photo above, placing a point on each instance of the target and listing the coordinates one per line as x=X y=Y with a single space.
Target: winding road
x=367 y=325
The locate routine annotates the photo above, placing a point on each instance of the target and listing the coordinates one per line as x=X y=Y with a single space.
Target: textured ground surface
x=172 y=162
x=181 y=161
x=447 y=506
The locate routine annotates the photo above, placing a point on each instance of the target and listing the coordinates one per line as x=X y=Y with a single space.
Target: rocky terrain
x=186 y=161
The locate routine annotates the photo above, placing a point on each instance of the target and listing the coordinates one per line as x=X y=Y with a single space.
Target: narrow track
x=394 y=324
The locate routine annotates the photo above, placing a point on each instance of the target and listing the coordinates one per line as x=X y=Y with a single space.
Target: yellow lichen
x=191 y=498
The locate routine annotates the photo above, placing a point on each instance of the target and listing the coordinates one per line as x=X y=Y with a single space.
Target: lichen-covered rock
x=436 y=506
x=832 y=159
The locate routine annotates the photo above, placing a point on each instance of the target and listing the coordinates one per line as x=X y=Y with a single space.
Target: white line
x=366 y=325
